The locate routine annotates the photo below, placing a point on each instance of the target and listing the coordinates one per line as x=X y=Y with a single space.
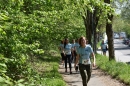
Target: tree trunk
x=91 y=22
x=87 y=23
x=94 y=26
x=109 y=33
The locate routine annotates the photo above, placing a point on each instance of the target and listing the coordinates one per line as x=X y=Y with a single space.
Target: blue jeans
x=104 y=50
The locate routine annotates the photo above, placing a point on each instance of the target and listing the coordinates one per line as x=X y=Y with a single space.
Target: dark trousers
x=73 y=59
x=63 y=57
x=68 y=58
x=85 y=72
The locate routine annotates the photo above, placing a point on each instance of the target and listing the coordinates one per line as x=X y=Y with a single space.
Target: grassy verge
x=46 y=69
x=99 y=43
x=118 y=70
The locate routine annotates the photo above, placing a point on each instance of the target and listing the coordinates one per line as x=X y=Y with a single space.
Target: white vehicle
x=116 y=36
x=122 y=35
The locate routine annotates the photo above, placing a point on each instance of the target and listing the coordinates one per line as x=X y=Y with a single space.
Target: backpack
x=106 y=48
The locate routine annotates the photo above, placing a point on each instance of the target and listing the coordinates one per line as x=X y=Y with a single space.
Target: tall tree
x=91 y=14
x=109 y=32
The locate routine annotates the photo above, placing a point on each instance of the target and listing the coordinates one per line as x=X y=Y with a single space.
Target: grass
x=99 y=43
x=46 y=70
x=117 y=70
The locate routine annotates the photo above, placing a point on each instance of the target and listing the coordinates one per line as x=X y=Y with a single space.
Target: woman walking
x=61 y=48
x=76 y=48
x=83 y=57
x=67 y=53
x=103 y=47
x=73 y=51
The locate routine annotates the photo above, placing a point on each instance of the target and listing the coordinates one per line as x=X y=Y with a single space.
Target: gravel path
x=98 y=78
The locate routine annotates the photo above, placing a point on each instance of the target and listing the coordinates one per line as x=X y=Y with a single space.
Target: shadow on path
x=74 y=79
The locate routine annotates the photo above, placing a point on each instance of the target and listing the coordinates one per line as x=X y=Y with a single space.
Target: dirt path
x=98 y=78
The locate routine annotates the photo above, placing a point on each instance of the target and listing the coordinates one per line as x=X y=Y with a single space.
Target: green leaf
x=3 y=65
x=2 y=79
x=21 y=80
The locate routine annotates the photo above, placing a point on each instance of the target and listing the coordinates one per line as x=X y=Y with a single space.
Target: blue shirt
x=85 y=53
x=76 y=46
x=103 y=46
x=67 y=49
x=73 y=44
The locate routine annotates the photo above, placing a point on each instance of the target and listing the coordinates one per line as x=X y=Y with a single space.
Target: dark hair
x=62 y=42
x=77 y=40
x=65 y=42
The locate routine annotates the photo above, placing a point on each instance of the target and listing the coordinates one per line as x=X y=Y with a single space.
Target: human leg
x=83 y=74
x=63 y=58
x=72 y=57
x=77 y=68
x=104 y=52
x=69 y=61
x=75 y=56
x=65 y=63
x=89 y=71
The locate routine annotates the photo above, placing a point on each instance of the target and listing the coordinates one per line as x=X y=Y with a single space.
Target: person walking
x=73 y=51
x=76 y=47
x=67 y=54
x=103 y=47
x=61 y=48
x=84 y=53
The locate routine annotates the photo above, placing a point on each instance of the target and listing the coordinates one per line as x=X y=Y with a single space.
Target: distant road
x=122 y=51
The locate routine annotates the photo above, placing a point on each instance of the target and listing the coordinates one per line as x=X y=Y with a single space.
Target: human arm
x=94 y=59
x=77 y=60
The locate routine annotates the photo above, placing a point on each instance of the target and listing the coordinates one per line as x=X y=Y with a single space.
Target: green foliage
x=117 y=70
x=28 y=29
x=125 y=16
x=121 y=25
x=118 y=24
x=126 y=29
x=44 y=70
x=99 y=44
x=3 y=66
x=53 y=82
